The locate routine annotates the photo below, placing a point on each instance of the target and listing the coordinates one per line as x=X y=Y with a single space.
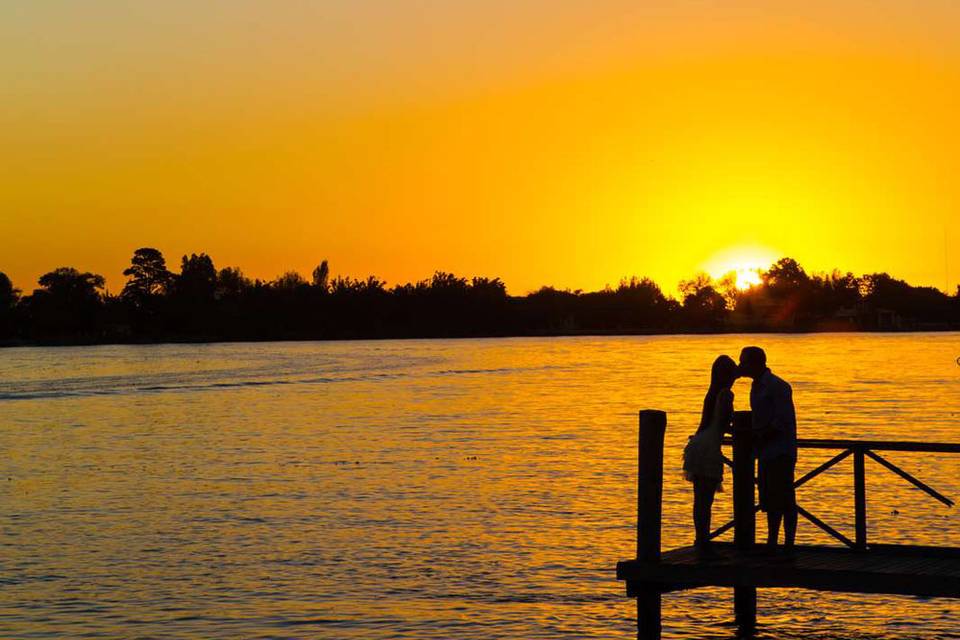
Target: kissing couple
x=774 y=425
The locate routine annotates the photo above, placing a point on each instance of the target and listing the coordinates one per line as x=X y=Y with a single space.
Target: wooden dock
x=855 y=567
x=893 y=569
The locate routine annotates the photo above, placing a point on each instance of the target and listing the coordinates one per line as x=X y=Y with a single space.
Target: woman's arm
x=705 y=415
x=725 y=410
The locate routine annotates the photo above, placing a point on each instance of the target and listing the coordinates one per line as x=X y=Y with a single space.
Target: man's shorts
x=775 y=479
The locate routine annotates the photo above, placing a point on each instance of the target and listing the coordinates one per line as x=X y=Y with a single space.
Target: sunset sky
x=554 y=142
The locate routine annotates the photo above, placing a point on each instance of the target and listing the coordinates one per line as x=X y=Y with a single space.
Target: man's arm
x=784 y=413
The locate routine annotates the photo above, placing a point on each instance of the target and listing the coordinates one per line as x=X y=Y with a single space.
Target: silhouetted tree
x=905 y=304
x=787 y=286
x=549 y=310
x=695 y=284
x=71 y=286
x=703 y=305
x=144 y=295
x=289 y=281
x=9 y=296
x=785 y=276
x=197 y=281
x=67 y=304
x=644 y=303
x=843 y=288
x=321 y=277
x=147 y=275
x=192 y=304
x=727 y=287
x=832 y=294
x=201 y=303
x=231 y=283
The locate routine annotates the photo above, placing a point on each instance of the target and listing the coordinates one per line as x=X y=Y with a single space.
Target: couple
x=774 y=445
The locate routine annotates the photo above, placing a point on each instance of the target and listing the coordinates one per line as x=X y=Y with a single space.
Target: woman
x=702 y=460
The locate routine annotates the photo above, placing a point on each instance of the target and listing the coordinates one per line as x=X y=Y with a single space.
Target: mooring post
x=859 y=500
x=745 y=524
x=653 y=425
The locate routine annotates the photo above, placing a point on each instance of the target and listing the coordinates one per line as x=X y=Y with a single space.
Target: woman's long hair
x=722 y=375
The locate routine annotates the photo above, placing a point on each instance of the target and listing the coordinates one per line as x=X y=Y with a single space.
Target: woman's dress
x=702 y=458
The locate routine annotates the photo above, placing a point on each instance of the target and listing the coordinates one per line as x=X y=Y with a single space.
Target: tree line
x=202 y=303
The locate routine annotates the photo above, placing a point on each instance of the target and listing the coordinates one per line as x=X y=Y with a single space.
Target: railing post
x=653 y=425
x=745 y=524
x=859 y=499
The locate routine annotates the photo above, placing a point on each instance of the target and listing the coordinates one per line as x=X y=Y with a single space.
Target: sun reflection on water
x=428 y=489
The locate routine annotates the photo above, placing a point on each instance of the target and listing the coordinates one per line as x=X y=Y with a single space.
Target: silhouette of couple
x=774 y=445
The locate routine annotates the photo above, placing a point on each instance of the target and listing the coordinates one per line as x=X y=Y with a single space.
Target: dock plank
x=891 y=569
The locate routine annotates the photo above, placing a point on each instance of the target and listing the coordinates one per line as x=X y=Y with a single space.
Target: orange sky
x=565 y=143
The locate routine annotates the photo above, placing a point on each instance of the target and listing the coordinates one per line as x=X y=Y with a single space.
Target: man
x=774 y=444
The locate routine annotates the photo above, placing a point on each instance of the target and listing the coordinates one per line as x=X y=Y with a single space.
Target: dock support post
x=859 y=500
x=745 y=524
x=653 y=424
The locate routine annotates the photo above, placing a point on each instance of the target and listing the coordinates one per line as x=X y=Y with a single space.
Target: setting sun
x=747 y=278
x=743 y=263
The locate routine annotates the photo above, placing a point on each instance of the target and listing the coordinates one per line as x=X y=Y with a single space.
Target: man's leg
x=773 y=528
x=790 y=526
x=790 y=509
x=768 y=501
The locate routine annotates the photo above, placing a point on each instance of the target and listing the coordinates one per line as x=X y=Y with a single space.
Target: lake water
x=425 y=489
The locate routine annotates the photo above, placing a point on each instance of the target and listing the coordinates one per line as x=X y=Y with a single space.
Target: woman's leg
x=709 y=491
x=697 y=511
x=703 y=490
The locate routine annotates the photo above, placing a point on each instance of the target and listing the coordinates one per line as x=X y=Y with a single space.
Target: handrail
x=860 y=449
x=876 y=445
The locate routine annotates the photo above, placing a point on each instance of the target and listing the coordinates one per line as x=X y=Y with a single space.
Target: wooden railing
x=816 y=567
x=744 y=524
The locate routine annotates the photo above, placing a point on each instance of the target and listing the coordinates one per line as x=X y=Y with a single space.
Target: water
x=424 y=489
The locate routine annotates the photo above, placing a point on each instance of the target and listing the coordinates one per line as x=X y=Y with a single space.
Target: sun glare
x=744 y=263
x=747 y=278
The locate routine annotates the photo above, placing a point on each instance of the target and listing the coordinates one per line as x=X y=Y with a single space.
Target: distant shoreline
x=10 y=344
x=203 y=304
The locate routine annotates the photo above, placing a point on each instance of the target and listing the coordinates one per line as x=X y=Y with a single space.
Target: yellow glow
x=744 y=262
x=568 y=144
x=747 y=278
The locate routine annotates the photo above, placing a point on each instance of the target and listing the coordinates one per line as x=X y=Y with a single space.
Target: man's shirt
x=771 y=404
